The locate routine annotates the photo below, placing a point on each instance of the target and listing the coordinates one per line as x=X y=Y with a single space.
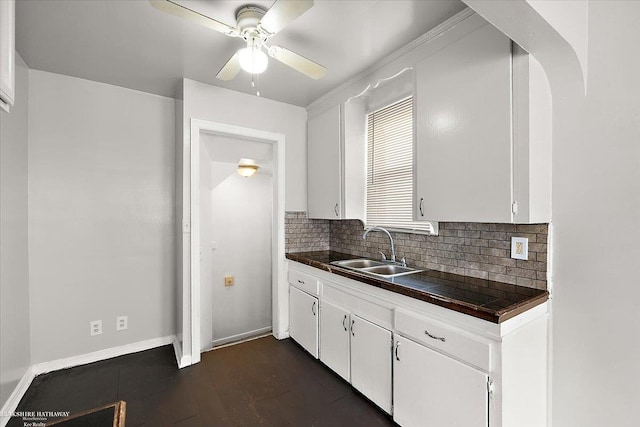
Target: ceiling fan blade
x=282 y=13
x=183 y=12
x=298 y=62
x=230 y=69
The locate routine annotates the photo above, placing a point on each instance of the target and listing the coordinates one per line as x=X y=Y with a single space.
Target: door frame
x=191 y=306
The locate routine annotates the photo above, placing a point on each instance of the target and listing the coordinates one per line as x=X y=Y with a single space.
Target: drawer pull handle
x=301 y=281
x=344 y=323
x=352 y=333
x=335 y=209
x=313 y=308
x=397 y=348
x=443 y=339
x=421 y=202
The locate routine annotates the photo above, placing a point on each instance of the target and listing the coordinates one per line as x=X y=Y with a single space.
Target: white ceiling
x=131 y=44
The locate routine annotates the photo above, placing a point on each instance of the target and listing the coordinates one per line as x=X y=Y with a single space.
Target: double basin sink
x=376 y=268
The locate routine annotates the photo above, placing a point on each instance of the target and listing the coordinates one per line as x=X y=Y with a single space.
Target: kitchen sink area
x=376 y=268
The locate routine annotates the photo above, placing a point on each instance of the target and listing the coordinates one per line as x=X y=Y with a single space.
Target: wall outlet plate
x=122 y=323
x=520 y=248
x=95 y=327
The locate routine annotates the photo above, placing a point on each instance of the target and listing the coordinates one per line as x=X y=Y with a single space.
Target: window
x=390 y=168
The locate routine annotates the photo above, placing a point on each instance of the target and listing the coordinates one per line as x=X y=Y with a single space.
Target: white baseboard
x=181 y=360
x=11 y=404
x=240 y=337
x=42 y=368
x=96 y=356
x=282 y=335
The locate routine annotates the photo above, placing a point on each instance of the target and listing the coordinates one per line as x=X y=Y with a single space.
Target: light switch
x=229 y=281
x=520 y=248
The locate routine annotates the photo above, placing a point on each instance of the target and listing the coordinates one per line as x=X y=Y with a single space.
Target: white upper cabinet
x=336 y=163
x=463 y=124
x=7 y=53
x=482 y=137
x=324 y=165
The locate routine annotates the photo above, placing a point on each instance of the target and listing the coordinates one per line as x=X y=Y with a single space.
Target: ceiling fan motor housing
x=248 y=18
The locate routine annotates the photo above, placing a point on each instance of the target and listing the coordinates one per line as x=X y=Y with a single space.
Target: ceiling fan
x=255 y=25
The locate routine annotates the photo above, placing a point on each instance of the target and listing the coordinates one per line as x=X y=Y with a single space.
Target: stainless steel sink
x=358 y=263
x=390 y=270
x=376 y=268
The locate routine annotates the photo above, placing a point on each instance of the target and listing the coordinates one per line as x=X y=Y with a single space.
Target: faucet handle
x=403 y=262
x=384 y=257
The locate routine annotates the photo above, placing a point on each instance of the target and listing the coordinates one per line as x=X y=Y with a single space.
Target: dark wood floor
x=264 y=382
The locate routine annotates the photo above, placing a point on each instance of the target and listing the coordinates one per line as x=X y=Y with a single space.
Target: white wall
x=596 y=180
x=101 y=214
x=202 y=101
x=596 y=204
x=15 y=353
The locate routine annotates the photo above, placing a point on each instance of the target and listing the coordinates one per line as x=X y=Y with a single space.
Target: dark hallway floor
x=264 y=382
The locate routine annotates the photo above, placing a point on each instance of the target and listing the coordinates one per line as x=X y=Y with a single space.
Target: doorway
x=188 y=343
x=235 y=240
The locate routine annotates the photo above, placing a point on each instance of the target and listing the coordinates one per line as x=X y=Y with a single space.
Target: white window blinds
x=390 y=168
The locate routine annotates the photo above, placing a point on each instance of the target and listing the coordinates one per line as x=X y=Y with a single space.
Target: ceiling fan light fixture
x=253 y=60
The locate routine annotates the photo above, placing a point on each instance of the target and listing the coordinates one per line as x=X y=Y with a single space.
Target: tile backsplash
x=471 y=249
x=303 y=234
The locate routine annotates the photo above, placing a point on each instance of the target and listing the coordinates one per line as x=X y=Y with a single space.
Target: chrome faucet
x=393 y=250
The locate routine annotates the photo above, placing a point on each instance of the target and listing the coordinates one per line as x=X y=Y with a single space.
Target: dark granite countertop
x=485 y=299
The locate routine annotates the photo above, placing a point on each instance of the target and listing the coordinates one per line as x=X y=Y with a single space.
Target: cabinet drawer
x=443 y=338
x=303 y=281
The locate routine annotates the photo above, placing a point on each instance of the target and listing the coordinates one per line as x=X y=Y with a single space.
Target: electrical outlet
x=520 y=248
x=122 y=323
x=229 y=281
x=95 y=327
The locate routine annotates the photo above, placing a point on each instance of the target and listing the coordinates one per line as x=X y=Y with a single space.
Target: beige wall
x=101 y=214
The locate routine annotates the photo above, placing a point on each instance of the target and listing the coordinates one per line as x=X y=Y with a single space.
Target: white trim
x=425 y=38
x=279 y=286
x=181 y=360
x=96 y=356
x=12 y=403
x=255 y=334
x=68 y=362
x=282 y=335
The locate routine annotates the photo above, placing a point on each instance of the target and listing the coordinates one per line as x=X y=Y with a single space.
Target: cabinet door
x=334 y=338
x=371 y=361
x=303 y=320
x=324 y=174
x=463 y=123
x=431 y=389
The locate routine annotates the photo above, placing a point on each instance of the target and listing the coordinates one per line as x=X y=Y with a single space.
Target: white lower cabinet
x=442 y=368
x=334 y=338
x=371 y=361
x=431 y=389
x=357 y=350
x=303 y=319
